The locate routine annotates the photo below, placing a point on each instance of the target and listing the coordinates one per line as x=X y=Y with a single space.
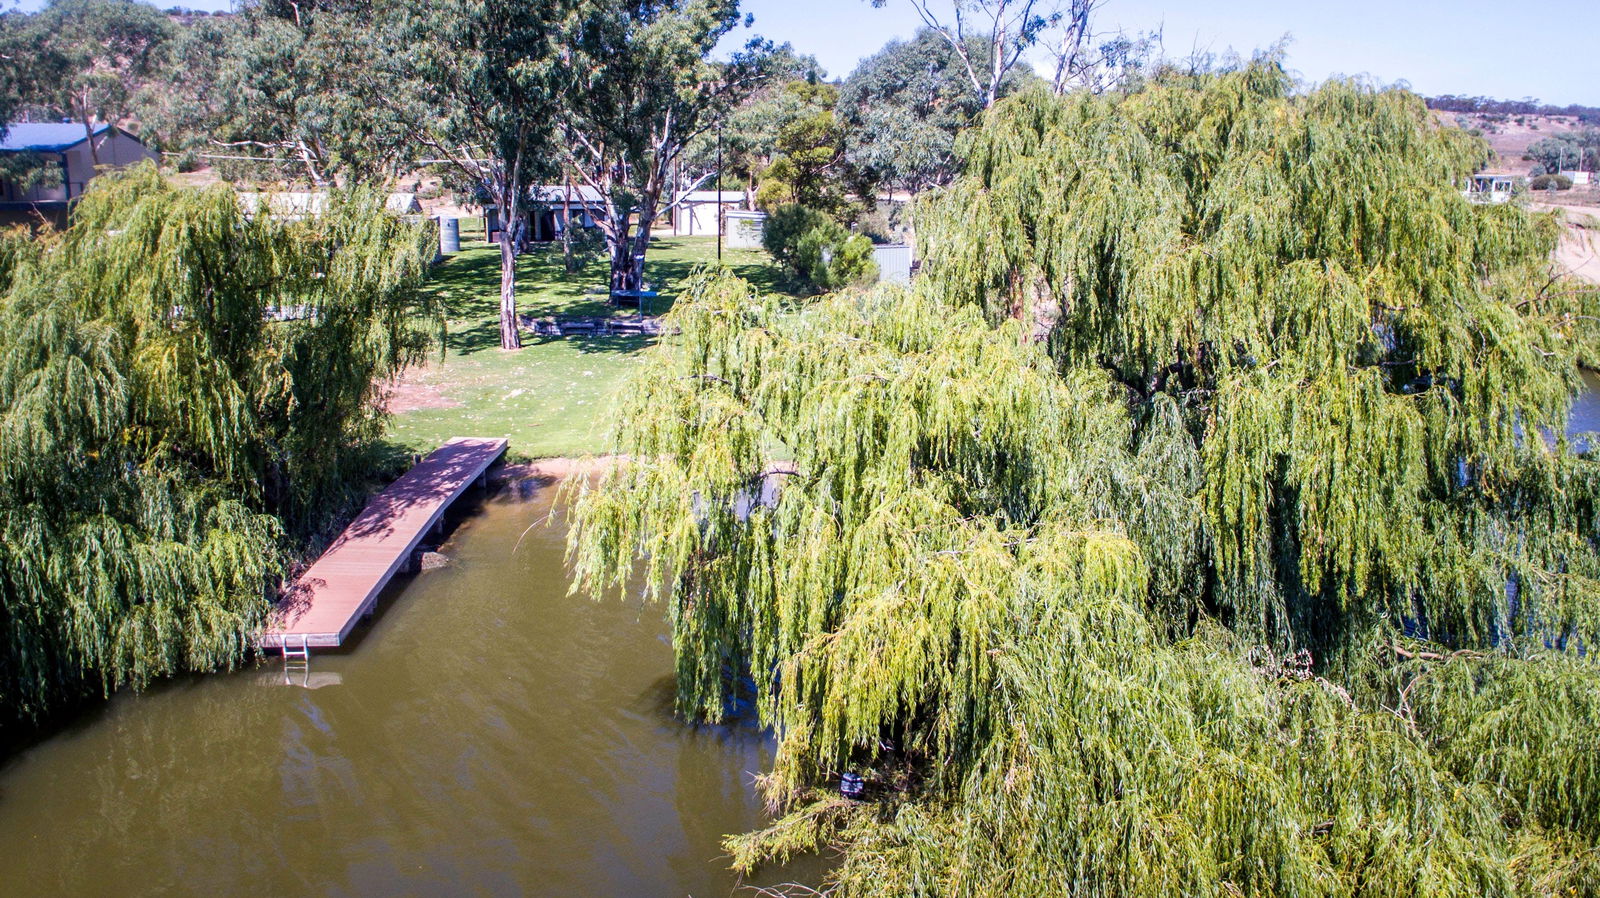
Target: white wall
x=698 y=219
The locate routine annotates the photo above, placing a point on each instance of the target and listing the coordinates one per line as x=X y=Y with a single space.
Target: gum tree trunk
x=510 y=336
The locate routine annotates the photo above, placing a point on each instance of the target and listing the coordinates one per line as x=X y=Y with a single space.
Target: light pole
x=720 y=219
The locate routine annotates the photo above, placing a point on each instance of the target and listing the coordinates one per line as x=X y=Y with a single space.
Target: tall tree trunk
x=621 y=258
x=510 y=335
x=88 y=134
x=566 y=226
x=636 y=260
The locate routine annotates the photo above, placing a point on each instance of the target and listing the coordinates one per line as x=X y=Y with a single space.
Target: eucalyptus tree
x=642 y=87
x=1565 y=152
x=18 y=64
x=990 y=37
x=1084 y=59
x=903 y=107
x=14 y=52
x=288 y=84
x=182 y=387
x=479 y=85
x=1201 y=522
x=90 y=57
x=809 y=163
x=746 y=142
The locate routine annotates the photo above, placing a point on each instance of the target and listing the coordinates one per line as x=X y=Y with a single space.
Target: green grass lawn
x=549 y=397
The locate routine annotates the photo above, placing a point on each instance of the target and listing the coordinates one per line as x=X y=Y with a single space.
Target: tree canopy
x=1201 y=522
x=641 y=88
x=182 y=388
x=903 y=106
x=1565 y=152
x=291 y=84
x=478 y=85
x=808 y=161
x=87 y=59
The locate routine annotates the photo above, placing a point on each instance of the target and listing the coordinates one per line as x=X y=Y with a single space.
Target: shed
x=700 y=212
x=80 y=152
x=552 y=203
x=745 y=229
x=894 y=262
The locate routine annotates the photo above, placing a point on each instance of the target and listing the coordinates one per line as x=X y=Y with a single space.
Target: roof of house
x=556 y=194
x=45 y=137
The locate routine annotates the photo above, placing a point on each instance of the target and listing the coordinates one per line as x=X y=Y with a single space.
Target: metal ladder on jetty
x=296 y=660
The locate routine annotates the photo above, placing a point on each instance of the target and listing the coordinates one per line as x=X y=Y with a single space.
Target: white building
x=698 y=213
x=79 y=152
x=1492 y=187
x=550 y=205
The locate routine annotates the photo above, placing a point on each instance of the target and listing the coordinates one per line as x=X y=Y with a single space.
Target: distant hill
x=1589 y=115
x=1510 y=135
x=1511 y=126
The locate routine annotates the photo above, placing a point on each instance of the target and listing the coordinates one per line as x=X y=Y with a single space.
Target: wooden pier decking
x=342 y=586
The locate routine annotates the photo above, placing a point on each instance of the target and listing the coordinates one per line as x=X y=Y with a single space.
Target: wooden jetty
x=342 y=586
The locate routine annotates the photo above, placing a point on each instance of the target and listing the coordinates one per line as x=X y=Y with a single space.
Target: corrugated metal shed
x=894 y=262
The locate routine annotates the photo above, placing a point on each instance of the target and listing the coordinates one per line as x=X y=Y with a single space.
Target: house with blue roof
x=79 y=153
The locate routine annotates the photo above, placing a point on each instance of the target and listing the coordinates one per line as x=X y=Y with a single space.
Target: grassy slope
x=549 y=397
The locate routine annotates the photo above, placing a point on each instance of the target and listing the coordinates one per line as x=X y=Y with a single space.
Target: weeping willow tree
x=1202 y=522
x=181 y=386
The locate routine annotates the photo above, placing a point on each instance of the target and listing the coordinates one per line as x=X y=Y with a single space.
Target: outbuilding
x=79 y=153
x=699 y=213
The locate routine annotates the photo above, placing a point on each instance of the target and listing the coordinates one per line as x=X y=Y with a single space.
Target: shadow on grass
x=593 y=343
x=467 y=286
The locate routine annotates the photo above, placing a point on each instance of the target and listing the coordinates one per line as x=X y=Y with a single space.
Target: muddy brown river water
x=488 y=734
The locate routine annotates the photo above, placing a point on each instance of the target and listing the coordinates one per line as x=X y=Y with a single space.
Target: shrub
x=818 y=249
x=785 y=226
x=1551 y=182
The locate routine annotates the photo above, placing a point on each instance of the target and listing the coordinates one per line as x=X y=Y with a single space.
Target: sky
x=1469 y=47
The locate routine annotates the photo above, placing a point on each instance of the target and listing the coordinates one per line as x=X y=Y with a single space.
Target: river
x=487 y=735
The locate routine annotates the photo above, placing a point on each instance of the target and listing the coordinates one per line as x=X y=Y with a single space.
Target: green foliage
x=181 y=386
x=1550 y=182
x=641 y=87
x=784 y=228
x=87 y=59
x=1200 y=522
x=290 y=84
x=817 y=249
x=902 y=108
x=747 y=140
x=16 y=79
x=1566 y=152
x=809 y=165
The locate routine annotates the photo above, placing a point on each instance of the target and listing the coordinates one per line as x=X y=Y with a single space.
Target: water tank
x=449 y=235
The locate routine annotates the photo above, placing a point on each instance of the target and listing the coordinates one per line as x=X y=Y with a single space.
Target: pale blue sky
x=1463 y=48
